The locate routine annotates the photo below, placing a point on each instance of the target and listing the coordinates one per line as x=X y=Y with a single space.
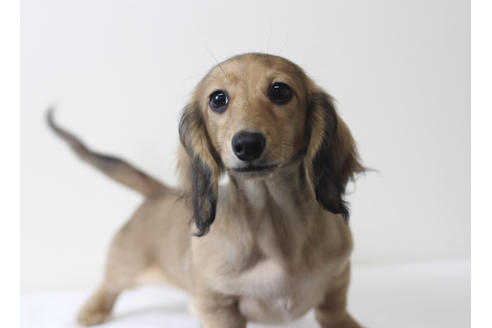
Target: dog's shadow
x=179 y=308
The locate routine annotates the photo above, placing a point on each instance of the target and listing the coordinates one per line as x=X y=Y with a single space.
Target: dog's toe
x=91 y=318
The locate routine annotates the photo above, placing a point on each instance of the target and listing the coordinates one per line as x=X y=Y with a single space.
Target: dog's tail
x=113 y=167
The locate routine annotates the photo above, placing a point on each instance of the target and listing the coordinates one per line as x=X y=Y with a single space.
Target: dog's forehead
x=255 y=66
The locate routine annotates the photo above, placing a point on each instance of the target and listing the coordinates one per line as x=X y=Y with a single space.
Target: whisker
x=283 y=46
x=269 y=37
x=218 y=64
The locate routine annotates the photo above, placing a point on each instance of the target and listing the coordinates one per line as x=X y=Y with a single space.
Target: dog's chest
x=272 y=294
x=281 y=285
x=283 y=277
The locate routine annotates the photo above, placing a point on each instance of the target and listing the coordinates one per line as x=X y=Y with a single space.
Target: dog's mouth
x=253 y=170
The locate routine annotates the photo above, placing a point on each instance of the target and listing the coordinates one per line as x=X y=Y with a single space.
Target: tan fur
x=272 y=252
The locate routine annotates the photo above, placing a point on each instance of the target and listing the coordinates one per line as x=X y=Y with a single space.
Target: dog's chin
x=253 y=171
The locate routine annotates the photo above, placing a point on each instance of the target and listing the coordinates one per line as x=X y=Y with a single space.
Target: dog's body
x=278 y=245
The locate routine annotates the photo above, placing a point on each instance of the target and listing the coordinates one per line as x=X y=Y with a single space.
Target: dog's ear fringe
x=332 y=155
x=199 y=167
x=204 y=196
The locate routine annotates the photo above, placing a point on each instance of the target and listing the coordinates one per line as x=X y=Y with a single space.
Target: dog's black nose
x=248 y=146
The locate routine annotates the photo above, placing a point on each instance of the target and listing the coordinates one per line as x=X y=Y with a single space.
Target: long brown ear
x=200 y=167
x=332 y=158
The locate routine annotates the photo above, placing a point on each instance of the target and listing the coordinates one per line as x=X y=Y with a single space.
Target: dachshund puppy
x=271 y=244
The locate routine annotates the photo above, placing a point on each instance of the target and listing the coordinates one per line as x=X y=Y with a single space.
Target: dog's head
x=254 y=114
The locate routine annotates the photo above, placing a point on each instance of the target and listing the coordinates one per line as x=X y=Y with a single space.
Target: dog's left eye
x=280 y=93
x=219 y=101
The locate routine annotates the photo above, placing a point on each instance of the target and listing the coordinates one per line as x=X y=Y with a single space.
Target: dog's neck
x=286 y=189
x=276 y=212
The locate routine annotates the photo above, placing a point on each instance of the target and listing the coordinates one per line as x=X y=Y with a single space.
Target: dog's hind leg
x=98 y=307
x=127 y=258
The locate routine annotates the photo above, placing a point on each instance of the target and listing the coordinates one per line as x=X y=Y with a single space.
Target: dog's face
x=252 y=115
x=255 y=112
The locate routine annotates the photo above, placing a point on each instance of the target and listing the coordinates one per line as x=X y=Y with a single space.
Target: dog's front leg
x=216 y=310
x=332 y=312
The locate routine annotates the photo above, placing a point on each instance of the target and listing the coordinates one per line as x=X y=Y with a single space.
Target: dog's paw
x=91 y=318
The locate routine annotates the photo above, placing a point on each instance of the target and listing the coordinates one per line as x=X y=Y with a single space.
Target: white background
x=120 y=72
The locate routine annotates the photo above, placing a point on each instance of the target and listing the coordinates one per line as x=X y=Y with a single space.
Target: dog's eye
x=280 y=93
x=219 y=101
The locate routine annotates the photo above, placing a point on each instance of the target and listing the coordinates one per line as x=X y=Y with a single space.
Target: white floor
x=434 y=294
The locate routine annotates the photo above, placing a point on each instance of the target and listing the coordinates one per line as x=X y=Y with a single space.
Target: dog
x=271 y=244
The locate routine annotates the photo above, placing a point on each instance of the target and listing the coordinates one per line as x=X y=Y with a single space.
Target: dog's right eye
x=219 y=101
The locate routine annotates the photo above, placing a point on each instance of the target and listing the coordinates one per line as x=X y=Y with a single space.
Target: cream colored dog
x=279 y=244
